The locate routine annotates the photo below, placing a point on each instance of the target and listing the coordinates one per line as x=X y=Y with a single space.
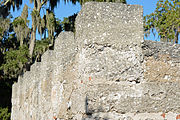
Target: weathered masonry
x=106 y=71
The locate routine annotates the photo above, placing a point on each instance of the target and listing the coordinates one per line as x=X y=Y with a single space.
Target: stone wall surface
x=109 y=41
x=106 y=71
x=162 y=61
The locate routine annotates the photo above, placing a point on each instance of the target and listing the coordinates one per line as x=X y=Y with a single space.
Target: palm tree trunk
x=176 y=38
x=177 y=34
x=37 y=6
x=32 y=41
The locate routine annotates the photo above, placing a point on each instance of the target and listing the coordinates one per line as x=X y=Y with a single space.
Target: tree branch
x=40 y=4
x=6 y=2
x=43 y=2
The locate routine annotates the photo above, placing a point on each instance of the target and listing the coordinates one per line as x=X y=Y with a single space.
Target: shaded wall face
x=39 y=93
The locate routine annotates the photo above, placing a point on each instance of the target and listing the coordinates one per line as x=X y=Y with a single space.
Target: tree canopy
x=165 y=20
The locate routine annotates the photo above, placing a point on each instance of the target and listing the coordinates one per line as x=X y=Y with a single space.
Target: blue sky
x=148 y=5
x=65 y=10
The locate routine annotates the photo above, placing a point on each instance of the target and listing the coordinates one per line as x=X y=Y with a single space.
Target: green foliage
x=4 y=114
x=19 y=21
x=68 y=24
x=5 y=95
x=51 y=22
x=165 y=20
x=36 y=18
x=20 y=25
x=4 y=26
x=40 y=48
x=14 y=61
x=59 y=27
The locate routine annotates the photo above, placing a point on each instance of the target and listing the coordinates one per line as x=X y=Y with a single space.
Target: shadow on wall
x=89 y=112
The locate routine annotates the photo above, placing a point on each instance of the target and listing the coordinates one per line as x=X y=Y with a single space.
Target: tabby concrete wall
x=105 y=71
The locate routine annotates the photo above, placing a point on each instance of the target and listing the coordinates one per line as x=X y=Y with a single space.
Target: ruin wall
x=105 y=71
